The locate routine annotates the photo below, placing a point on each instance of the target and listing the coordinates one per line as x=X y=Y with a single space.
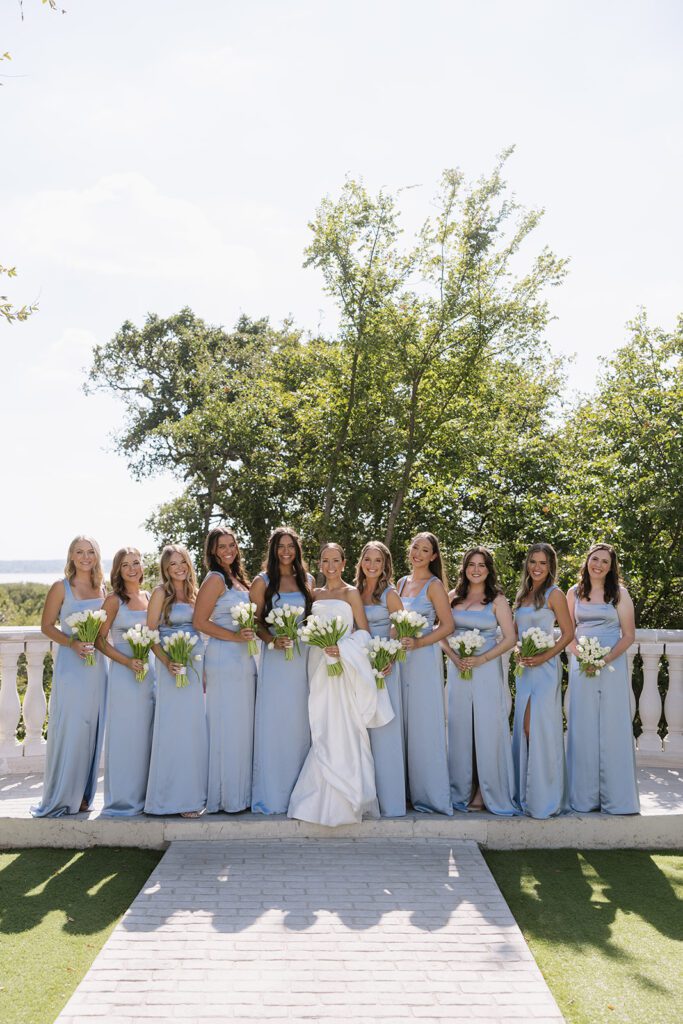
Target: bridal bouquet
x=592 y=655
x=86 y=626
x=285 y=622
x=179 y=646
x=407 y=624
x=534 y=641
x=465 y=644
x=382 y=653
x=243 y=616
x=319 y=631
x=141 y=640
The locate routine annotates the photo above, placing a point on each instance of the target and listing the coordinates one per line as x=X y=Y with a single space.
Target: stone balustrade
x=655 y=648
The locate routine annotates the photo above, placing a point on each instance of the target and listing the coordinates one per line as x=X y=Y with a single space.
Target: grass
x=605 y=927
x=57 y=908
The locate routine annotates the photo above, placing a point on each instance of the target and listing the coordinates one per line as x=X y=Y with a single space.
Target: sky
x=160 y=153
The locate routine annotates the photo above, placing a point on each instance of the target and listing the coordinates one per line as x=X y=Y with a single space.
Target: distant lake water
x=30 y=577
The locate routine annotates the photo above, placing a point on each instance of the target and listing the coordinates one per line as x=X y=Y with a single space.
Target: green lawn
x=605 y=927
x=57 y=908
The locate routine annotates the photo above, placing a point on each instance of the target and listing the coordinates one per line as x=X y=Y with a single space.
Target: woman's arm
x=436 y=593
x=558 y=602
x=51 y=610
x=154 y=607
x=571 y=606
x=627 y=621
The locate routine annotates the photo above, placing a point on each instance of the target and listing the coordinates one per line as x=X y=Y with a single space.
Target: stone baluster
x=35 y=704
x=650 y=704
x=630 y=657
x=10 y=706
x=505 y=658
x=673 y=703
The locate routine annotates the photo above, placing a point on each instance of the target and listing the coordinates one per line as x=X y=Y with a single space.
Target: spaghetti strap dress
x=76 y=723
x=424 y=715
x=282 y=734
x=540 y=769
x=479 y=748
x=601 y=761
x=130 y=714
x=230 y=673
x=387 y=740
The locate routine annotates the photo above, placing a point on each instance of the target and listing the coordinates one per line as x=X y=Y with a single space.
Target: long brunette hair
x=271 y=564
x=612 y=579
x=189 y=585
x=491 y=586
x=212 y=564
x=435 y=562
x=526 y=583
x=385 y=578
x=117 y=582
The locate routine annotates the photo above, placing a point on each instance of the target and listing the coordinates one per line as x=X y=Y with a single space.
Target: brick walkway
x=307 y=930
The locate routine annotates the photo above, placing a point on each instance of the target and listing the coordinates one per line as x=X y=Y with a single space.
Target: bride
x=337 y=782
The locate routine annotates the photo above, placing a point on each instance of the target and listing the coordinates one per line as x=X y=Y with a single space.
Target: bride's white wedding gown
x=337 y=782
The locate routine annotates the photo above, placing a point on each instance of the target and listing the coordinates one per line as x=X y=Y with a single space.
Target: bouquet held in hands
x=407 y=624
x=285 y=622
x=178 y=646
x=243 y=616
x=141 y=639
x=534 y=641
x=319 y=631
x=464 y=645
x=382 y=653
x=591 y=655
x=86 y=626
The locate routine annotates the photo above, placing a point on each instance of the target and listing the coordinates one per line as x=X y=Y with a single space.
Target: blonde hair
x=117 y=582
x=96 y=573
x=386 y=577
x=190 y=587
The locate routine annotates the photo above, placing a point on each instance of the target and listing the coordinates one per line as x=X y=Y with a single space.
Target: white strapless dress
x=337 y=782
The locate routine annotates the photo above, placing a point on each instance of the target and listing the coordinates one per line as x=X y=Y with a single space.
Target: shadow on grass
x=573 y=896
x=91 y=888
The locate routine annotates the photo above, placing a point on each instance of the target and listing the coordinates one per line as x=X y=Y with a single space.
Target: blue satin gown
x=282 y=734
x=478 y=729
x=540 y=770
x=130 y=714
x=387 y=740
x=601 y=761
x=76 y=722
x=179 y=764
x=230 y=673
x=424 y=715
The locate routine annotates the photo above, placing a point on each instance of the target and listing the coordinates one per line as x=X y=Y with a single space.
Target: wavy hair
x=436 y=566
x=189 y=586
x=271 y=565
x=386 y=577
x=612 y=579
x=212 y=564
x=96 y=573
x=491 y=586
x=526 y=584
x=117 y=582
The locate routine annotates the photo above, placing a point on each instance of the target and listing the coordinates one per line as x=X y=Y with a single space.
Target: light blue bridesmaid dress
x=179 y=765
x=282 y=735
x=387 y=741
x=76 y=722
x=230 y=673
x=540 y=770
x=424 y=715
x=478 y=729
x=130 y=713
x=601 y=760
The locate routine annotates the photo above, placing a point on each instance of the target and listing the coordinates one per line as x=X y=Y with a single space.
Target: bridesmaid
x=77 y=703
x=282 y=735
x=538 y=731
x=374 y=580
x=601 y=762
x=422 y=683
x=230 y=674
x=130 y=704
x=479 y=751
x=178 y=770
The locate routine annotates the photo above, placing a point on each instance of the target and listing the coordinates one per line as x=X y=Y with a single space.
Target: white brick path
x=305 y=930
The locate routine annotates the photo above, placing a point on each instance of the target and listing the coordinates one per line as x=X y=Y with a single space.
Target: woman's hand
x=246 y=635
x=332 y=652
x=533 y=662
x=175 y=669
x=409 y=643
x=470 y=662
x=590 y=670
x=81 y=648
x=386 y=671
x=281 y=643
x=136 y=665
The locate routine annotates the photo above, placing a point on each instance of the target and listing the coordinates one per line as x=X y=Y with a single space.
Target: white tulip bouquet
x=534 y=641
x=178 y=646
x=285 y=622
x=243 y=616
x=464 y=645
x=86 y=626
x=407 y=624
x=382 y=653
x=319 y=631
x=592 y=656
x=141 y=639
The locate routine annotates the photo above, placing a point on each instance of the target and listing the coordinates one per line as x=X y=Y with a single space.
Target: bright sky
x=165 y=153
